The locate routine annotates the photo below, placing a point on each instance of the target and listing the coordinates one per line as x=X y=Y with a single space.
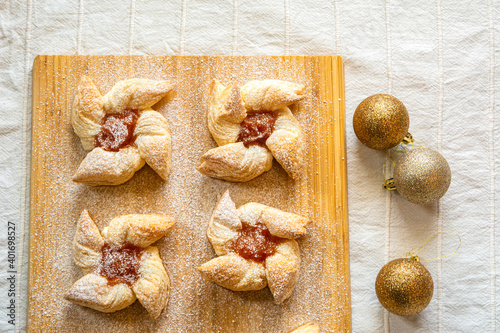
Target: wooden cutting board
x=322 y=294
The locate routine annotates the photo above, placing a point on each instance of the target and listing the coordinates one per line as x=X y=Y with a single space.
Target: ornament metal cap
x=389 y=185
x=408 y=139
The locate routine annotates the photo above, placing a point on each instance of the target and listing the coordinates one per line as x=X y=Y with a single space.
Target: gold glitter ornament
x=381 y=121
x=404 y=286
x=422 y=176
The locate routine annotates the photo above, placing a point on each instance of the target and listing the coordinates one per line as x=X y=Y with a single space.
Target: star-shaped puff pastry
x=256 y=248
x=121 y=130
x=120 y=266
x=250 y=126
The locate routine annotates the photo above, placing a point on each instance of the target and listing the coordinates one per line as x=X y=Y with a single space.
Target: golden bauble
x=422 y=176
x=381 y=121
x=404 y=286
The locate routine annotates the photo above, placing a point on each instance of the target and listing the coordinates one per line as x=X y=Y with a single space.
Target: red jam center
x=119 y=264
x=256 y=128
x=255 y=242
x=117 y=130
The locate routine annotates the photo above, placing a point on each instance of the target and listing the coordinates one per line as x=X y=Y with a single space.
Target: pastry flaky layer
x=229 y=106
x=151 y=133
x=279 y=271
x=151 y=285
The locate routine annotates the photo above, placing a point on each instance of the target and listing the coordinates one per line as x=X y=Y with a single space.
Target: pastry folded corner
x=280 y=223
x=101 y=167
x=225 y=113
x=137 y=229
x=235 y=162
x=284 y=224
x=135 y=94
x=282 y=270
x=93 y=291
x=154 y=141
x=235 y=273
x=285 y=143
x=152 y=289
x=251 y=212
x=87 y=243
x=270 y=95
x=223 y=225
x=87 y=112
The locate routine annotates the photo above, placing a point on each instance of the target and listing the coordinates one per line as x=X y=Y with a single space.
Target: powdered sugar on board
x=196 y=305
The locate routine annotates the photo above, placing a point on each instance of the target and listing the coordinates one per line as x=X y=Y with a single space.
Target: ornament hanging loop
x=413 y=252
x=389 y=183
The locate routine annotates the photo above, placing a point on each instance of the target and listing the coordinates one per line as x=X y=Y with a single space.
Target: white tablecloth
x=441 y=58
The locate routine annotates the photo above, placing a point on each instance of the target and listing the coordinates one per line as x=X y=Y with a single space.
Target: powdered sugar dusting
x=195 y=305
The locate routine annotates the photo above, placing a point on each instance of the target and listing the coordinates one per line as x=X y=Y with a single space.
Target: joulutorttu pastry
x=120 y=265
x=250 y=126
x=121 y=131
x=256 y=248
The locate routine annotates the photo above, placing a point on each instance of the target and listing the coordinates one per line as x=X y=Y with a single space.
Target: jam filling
x=120 y=264
x=255 y=242
x=117 y=130
x=256 y=128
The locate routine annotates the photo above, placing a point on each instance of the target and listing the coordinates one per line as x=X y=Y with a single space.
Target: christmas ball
x=422 y=176
x=404 y=286
x=381 y=121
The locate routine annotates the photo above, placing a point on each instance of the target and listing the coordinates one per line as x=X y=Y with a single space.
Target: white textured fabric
x=441 y=58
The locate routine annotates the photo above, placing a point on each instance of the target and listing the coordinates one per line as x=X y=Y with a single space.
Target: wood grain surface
x=322 y=294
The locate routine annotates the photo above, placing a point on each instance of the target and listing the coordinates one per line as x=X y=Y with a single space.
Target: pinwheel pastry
x=256 y=248
x=307 y=328
x=121 y=131
x=250 y=126
x=121 y=265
